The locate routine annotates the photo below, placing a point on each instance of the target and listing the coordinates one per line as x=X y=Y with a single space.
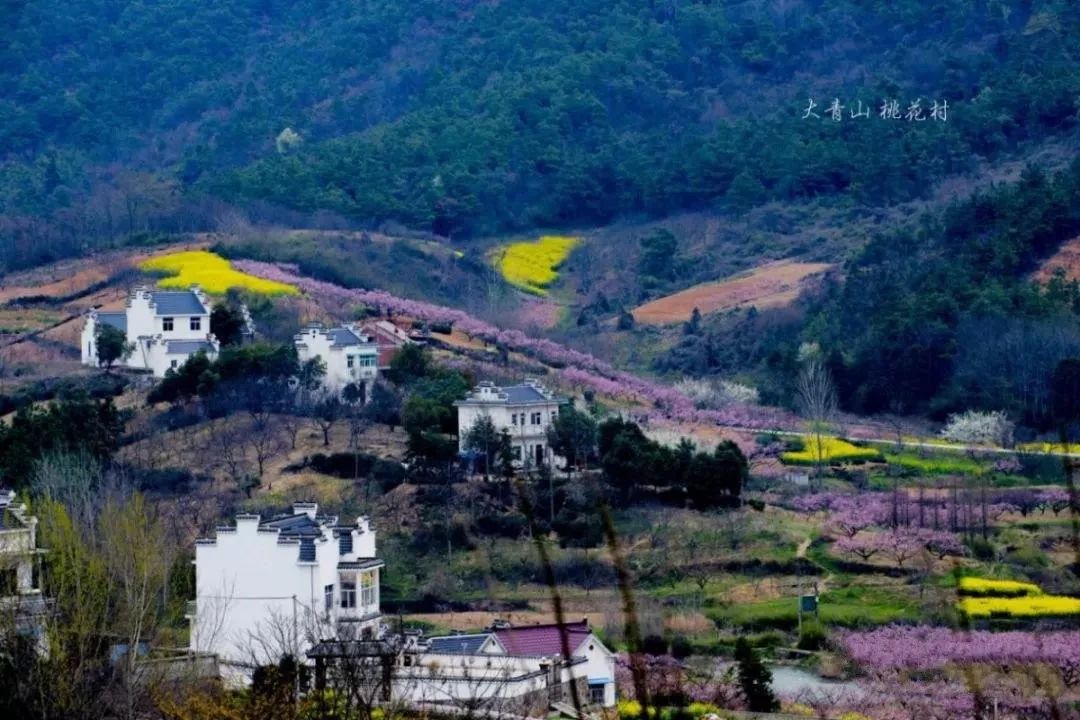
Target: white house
x=20 y=598
x=266 y=588
x=525 y=410
x=543 y=641
x=502 y=673
x=164 y=328
x=350 y=356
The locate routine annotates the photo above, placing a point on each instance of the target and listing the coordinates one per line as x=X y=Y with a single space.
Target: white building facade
x=163 y=328
x=267 y=588
x=525 y=411
x=511 y=672
x=20 y=597
x=590 y=658
x=350 y=356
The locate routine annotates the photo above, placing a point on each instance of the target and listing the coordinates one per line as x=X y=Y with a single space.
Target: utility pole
x=296 y=656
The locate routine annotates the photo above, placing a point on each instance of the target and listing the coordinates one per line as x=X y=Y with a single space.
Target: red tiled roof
x=542 y=639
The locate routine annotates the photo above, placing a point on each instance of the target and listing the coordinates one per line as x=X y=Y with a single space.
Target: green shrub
x=812 y=637
x=681 y=647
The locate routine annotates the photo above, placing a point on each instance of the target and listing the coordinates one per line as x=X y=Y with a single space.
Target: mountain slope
x=472 y=117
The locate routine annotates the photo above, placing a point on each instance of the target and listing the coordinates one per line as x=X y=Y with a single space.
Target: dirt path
x=800 y=552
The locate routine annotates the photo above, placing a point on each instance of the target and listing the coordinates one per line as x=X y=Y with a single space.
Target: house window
x=536 y=418
x=345 y=543
x=328 y=596
x=166 y=324
x=9 y=581
x=596 y=694
x=196 y=323
x=174 y=363
x=367 y=361
x=348 y=594
x=513 y=419
x=349 y=361
x=367 y=589
x=515 y=452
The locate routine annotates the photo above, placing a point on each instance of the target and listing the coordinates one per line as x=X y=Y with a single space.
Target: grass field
x=772 y=285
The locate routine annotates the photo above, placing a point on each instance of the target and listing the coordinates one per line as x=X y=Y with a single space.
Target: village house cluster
x=308 y=585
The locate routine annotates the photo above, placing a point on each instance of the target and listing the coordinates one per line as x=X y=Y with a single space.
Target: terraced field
x=771 y=285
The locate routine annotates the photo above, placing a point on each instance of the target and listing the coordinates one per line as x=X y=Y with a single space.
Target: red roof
x=543 y=639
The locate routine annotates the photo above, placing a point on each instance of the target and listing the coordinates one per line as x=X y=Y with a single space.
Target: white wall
x=523 y=435
x=315 y=342
x=599 y=665
x=246 y=582
x=442 y=678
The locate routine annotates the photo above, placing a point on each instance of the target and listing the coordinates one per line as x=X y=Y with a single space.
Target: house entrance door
x=539 y=454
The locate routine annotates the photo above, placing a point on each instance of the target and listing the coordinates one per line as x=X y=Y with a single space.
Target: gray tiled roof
x=464 y=644
x=294 y=526
x=116 y=319
x=523 y=394
x=178 y=303
x=186 y=347
x=343 y=337
x=365 y=564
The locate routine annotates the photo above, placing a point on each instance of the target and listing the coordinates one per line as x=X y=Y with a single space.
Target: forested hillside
x=118 y=118
x=935 y=317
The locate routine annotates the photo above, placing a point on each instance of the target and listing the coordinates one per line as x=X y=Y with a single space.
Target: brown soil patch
x=768 y=588
x=771 y=285
x=458 y=339
x=71 y=282
x=1067 y=258
x=693 y=623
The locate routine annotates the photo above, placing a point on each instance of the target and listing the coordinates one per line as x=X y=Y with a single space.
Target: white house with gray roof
x=525 y=410
x=350 y=356
x=164 y=329
x=269 y=587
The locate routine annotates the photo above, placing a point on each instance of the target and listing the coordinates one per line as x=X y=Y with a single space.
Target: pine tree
x=755 y=680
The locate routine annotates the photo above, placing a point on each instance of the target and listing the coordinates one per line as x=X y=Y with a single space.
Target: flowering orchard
x=576 y=369
x=934 y=672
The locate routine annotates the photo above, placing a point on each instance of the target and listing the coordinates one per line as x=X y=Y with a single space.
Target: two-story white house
x=525 y=410
x=164 y=329
x=350 y=356
x=266 y=588
x=20 y=598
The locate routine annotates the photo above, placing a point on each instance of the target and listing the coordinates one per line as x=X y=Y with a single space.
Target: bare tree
x=816 y=396
x=227 y=445
x=326 y=410
x=266 y=440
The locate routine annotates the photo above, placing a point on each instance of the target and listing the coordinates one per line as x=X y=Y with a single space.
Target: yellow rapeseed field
x=533 y=266
x=1032 y=606
x=211 y=272
x=829 y=449
x=1049 y=447
x=996 y=588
